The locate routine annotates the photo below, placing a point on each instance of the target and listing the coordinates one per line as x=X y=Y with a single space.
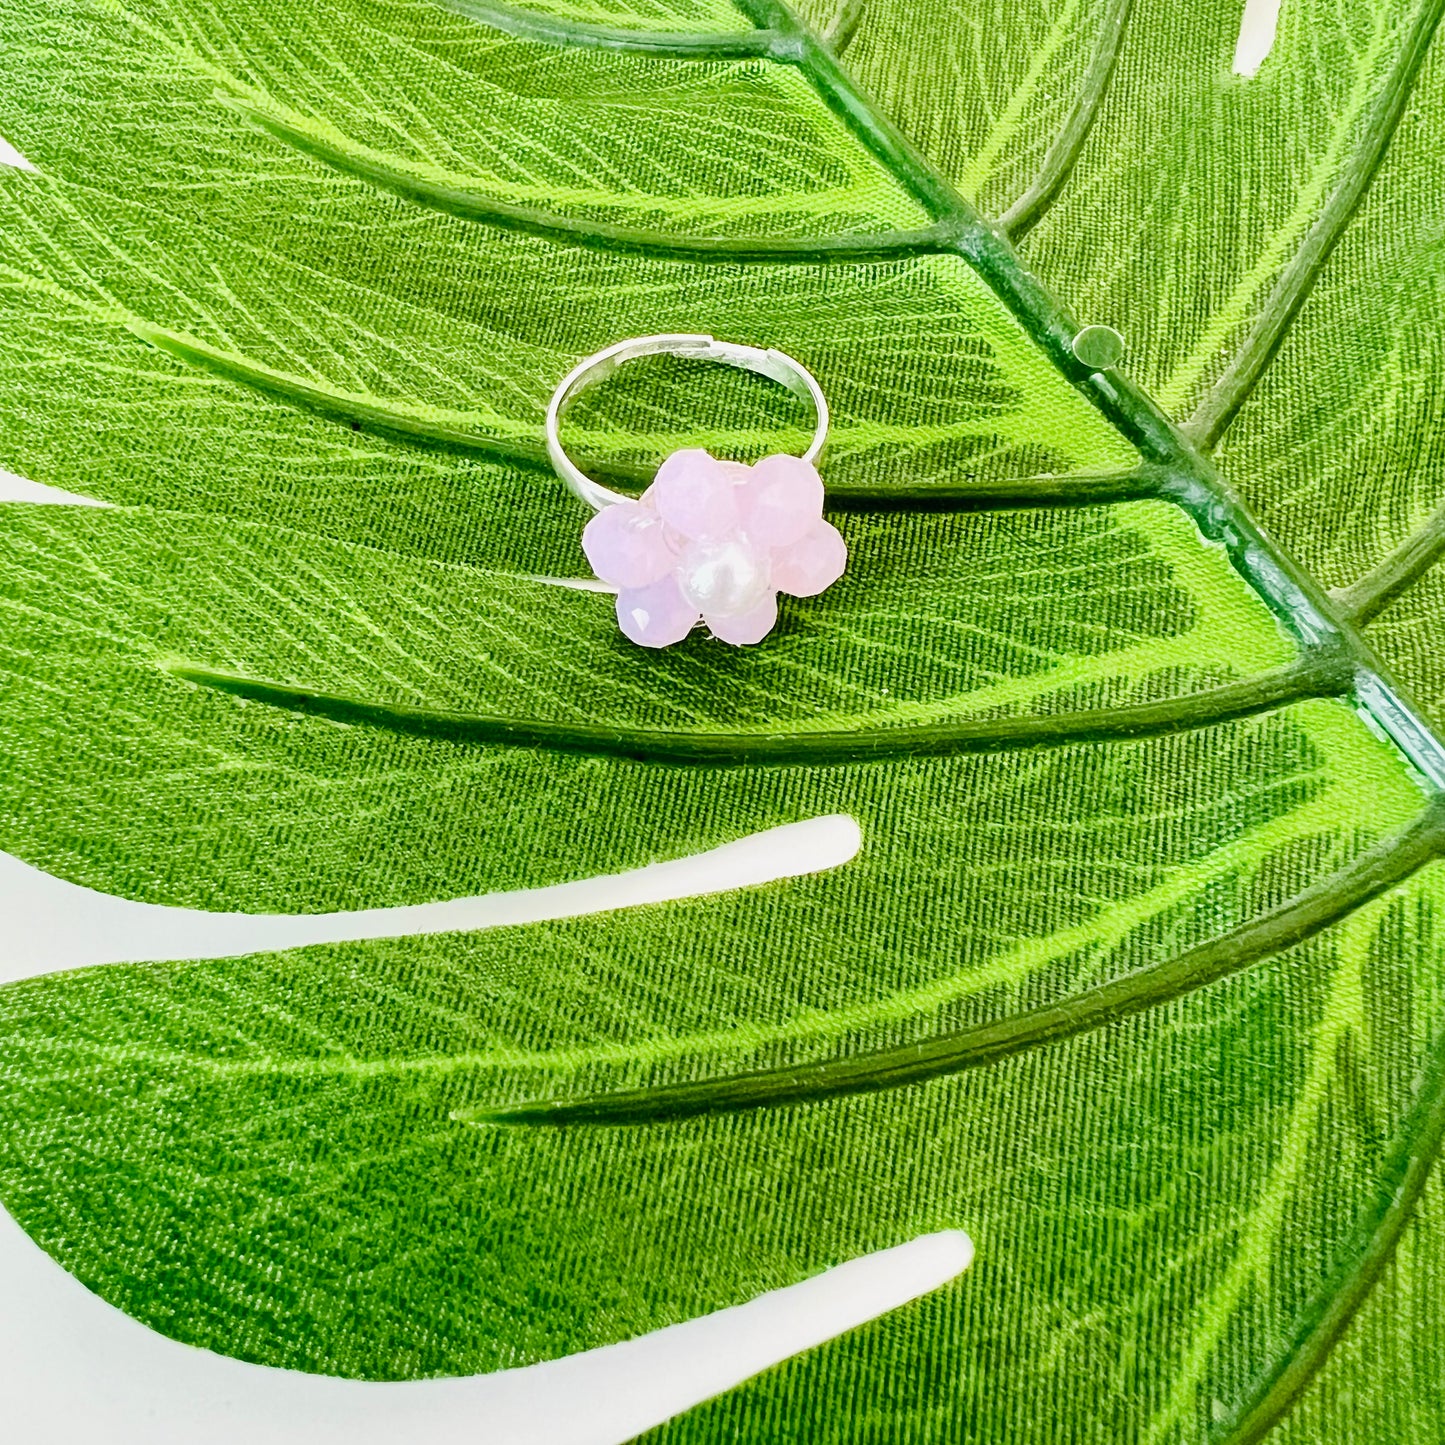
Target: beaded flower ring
x=709 y=541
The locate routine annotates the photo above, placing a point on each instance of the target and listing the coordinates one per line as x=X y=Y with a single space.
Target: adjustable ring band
x=775 y=365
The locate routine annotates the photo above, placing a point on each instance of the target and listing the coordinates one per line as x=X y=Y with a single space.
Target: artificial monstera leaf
x=1134 y=975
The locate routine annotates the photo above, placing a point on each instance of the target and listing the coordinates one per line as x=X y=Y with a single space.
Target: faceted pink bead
x=656 y=615
x=746 y=627
x=782 y=500
x=815 y=561
x=626 y=544
x=695 y=495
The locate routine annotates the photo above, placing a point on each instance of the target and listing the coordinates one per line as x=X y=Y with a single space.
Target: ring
x=710 y=541
x=775 y=365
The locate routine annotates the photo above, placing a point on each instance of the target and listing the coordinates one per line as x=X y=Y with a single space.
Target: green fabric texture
x=288 y=289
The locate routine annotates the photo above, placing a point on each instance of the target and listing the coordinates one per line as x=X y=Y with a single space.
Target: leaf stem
x=1380 y=586
x=1221 y=403
x=436 y=430
x=382 y=418
x=1063 y=153
x=1326 y=674
x=1374 y=872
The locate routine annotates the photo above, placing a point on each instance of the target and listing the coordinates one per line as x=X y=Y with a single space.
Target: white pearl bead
x=723 y=577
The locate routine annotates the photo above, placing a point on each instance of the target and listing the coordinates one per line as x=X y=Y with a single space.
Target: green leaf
x=1145 y=888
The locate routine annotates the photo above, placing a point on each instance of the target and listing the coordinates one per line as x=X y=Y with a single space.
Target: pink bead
x=695 y=495
x=626 y=544
x=656 y=615
x=815 y=561
x=746 y=627
x=782 y=500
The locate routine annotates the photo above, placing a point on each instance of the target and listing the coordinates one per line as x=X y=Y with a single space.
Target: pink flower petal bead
x=814 y=562
x=627 y=545
x=716 y=542
x=657 y=615
x=696 y=495
x=783 y=498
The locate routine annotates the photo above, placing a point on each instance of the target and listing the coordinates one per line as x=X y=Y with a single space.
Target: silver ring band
x=775 y=365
